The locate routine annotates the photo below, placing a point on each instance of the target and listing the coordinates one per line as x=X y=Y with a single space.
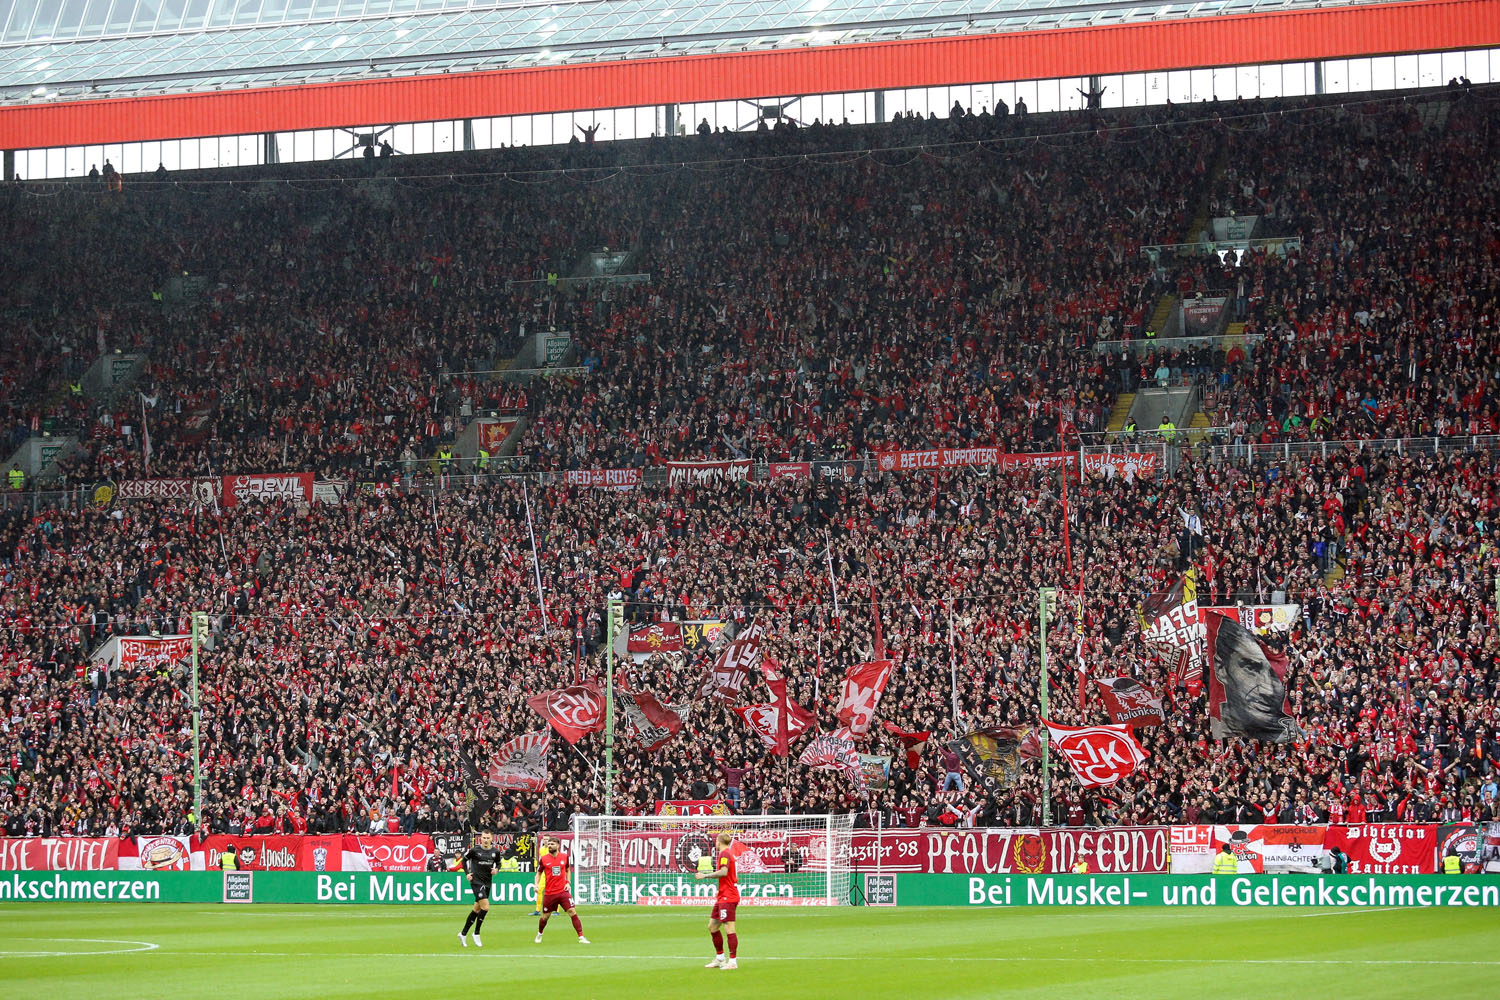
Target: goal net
x=652 y=860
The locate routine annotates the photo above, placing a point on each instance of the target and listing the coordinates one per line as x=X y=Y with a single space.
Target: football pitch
x=371 y=953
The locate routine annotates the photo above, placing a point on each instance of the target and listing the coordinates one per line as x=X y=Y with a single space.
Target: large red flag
x=861 y=693
x=572 y=711
x=1099 y=755
x=647 y=721
x=733 y=664
x=776 y=727
x=1129 y=702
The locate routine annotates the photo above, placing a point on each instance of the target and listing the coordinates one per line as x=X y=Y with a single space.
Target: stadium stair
x=1163 y=313
x=1198 y=427
x=1120 y=413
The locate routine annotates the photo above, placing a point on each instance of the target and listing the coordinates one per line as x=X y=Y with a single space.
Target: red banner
x=1015 y=851
x=572 y=711
x=143 y=652
x=1386 y=848
x=604 y=479
x=938 y=458
x=294 y=487
x=278 y=853
x=656 y=637
x=394 y=853
x=789 y=470
x=59 y=854
x=766 y=721
x=688 y=473
x=492 y=433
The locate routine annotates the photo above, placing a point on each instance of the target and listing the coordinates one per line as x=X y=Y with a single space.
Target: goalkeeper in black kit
x=479 y=863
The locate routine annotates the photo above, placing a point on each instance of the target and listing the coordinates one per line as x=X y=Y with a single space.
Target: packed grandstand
x=804 y=308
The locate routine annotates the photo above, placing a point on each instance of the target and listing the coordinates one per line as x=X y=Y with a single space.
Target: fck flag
x=1099 y=755
x=861 y=693
x=655 y=637
x=521 y=764
x=767 y=721
x=572 y=711
x=1129 y=702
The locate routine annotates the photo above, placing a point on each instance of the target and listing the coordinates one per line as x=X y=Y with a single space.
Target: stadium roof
x=72 y=49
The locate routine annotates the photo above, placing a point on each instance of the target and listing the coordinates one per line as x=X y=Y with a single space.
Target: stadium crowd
x=904 y=299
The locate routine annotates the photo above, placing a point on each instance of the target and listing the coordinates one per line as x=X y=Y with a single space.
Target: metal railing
x=1143 y=345
x=1210 y=446
x=1279 y=245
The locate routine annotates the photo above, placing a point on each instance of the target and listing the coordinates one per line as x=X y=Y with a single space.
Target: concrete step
x=1121 y=412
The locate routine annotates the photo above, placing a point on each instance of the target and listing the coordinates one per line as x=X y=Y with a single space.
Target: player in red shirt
x=554 y=866
x=728 y=899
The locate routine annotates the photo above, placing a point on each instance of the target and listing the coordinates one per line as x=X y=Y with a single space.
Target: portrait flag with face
x=1246 y=685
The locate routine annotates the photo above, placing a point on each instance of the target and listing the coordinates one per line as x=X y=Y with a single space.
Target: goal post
x=653 y=860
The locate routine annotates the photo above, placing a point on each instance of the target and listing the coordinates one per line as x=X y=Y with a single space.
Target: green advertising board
x=1198 y=890
x=448 y=888
x=451 y=888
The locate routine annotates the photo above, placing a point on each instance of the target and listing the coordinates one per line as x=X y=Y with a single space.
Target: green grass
x=386 y=953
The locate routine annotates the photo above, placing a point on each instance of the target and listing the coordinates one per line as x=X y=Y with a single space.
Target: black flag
x=1246 y=685
x=993 y=756
x=479 y=797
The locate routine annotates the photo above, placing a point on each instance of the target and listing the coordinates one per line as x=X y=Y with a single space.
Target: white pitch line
x=532 y=956
x=141 y=946
x=1345 y=913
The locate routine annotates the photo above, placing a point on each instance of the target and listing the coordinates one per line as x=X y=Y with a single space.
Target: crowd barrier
x=519 y=889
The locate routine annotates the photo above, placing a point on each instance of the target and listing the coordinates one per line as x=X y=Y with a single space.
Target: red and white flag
x=861 y=693
x=521 y=764
x=1099 y=755
x=572 y=711
x=835 y=752
x=775 y=727
x=733 y=665
x=1129 y=702
x=647 y=721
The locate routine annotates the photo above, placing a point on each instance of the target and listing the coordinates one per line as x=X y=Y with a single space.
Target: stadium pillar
x=669 y=119
x=1047 y=598
x=879 y=106
x=468 y=135
x=270 y=154
x=1318 y=76
x=10 y=165
x=200 y=626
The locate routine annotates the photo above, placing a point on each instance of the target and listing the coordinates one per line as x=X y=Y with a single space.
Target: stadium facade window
x=1296 y=79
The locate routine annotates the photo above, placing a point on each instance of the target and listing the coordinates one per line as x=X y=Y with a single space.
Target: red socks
x=734 y=944
x=578 y=925
x=718 y=943
x=541 y=925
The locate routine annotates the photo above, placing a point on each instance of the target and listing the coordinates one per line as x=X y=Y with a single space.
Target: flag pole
x=833 y=584
x=1046 y=595
x=952 y=666
x=612 y=613
x=536 y=567
x=199 y=623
